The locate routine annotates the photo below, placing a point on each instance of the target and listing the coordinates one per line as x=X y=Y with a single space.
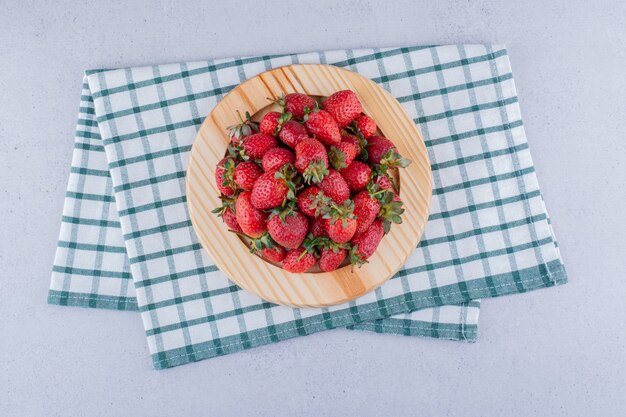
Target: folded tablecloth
x=126 y=241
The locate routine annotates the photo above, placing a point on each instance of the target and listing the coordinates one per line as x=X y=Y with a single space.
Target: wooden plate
x=230 y=253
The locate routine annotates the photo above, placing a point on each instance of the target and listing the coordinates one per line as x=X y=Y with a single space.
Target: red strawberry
x=381 y=150
x=339 y=222
x=242 y=129
x=227 y=212
x=296 y=103
x=365 y=244
x=366 y=125
x=322 y=125
x=275 y=158
x=357 y=175
x=311 y=160
x=250 y=219
x=268 y=248
x=231 y=221
x=298 y=260
x=332 y=257
x=316 y=227
x=272 y=122
x=269 y=123
x=342 y=154
x=378 y=146
x=272 y=189
x=224 y=176
x=366 y=208
x=268 y=191
x=288 y=230
x=340 y=230
x=255 y=146
x=292 y=133
x=360 y=143
x=246 y=174
x=311 y=201
x=274 y=254
x=334 y=186
x=346 y=137
x=383 y=182
x=344 y=106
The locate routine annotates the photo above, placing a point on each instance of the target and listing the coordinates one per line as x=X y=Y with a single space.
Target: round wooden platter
x=228 y=250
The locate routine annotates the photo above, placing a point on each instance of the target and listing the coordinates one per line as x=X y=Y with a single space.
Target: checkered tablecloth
x=126 y=240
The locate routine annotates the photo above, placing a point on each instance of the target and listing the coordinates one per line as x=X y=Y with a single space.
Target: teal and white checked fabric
x=125 y=215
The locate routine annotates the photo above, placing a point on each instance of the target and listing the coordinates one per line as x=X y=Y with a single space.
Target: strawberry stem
x=315 y=172
x=337 y=158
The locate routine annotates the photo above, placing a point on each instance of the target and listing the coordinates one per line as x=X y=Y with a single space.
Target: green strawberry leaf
x=355 y=257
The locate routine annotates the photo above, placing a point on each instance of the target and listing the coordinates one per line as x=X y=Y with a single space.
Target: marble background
x=552 y=352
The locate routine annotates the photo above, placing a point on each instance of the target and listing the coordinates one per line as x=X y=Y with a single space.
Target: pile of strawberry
x=310 y=184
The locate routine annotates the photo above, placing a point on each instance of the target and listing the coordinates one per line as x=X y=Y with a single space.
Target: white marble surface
x=552 y=352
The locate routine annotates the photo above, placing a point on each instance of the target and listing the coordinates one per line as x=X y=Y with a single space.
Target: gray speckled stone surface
x=553 y=352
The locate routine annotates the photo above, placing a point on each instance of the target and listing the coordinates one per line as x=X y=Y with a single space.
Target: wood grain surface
x=231 y=254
